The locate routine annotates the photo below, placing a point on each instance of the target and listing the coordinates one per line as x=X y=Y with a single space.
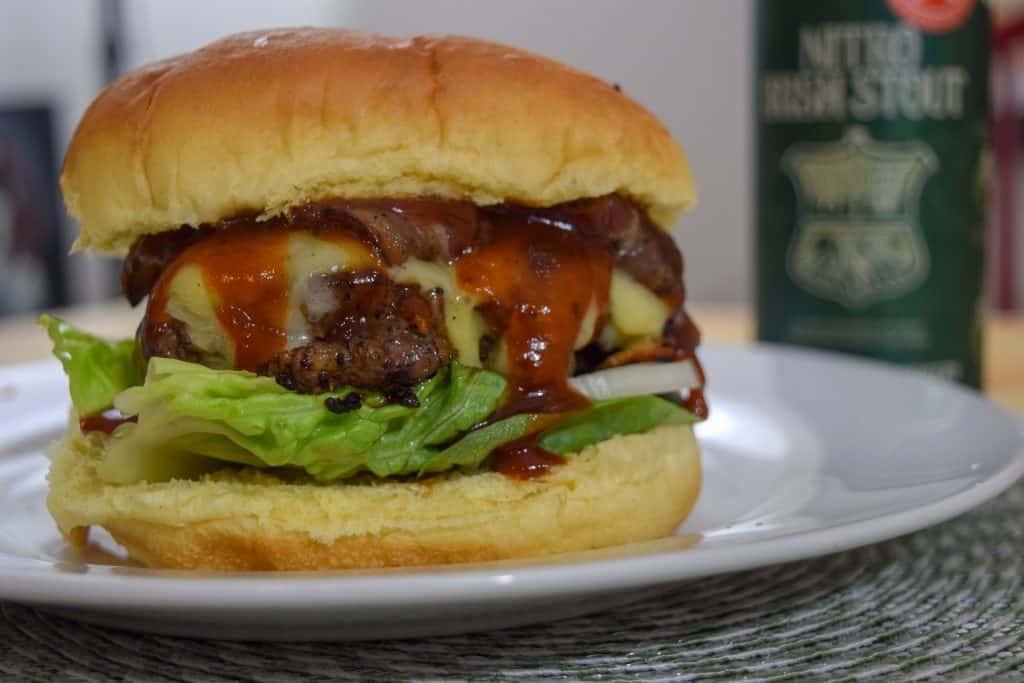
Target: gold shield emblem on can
x=858 y=240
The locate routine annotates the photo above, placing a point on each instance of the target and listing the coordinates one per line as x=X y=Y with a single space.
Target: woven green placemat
x=942 y=604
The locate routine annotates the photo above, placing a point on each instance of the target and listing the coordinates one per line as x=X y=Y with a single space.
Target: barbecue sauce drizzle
x=105 y=422
x=524 y=458
x=245 y=266
x=249 y=281
x=537 y=272
x=537 y=282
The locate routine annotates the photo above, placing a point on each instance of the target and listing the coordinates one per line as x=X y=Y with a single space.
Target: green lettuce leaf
x=97 y=369
x=193 y=419
x=188 y=414
x=469 y=451
x=613 y=417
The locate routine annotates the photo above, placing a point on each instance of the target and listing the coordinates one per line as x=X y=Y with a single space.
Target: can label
x=873 y=168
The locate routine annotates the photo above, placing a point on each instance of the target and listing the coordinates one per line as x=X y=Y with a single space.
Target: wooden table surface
x=21 y=340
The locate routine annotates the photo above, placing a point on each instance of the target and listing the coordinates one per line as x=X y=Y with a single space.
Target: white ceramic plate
x=805 y=454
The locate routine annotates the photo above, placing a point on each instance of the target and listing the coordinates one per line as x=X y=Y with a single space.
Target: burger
x=405 y=301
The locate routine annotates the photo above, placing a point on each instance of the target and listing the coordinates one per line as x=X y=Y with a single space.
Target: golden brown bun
x=267 y=120
x=626 y=489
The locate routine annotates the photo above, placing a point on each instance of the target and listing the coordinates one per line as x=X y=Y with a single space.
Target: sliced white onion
x=637 y=379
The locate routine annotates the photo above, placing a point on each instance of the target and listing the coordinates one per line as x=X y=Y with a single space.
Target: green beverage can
x=873 y=173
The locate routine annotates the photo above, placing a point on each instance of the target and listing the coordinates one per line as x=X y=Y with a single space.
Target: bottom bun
x=627 y=489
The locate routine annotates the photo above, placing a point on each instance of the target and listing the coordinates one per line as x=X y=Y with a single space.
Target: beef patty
x=386 y=336
x=380 y=335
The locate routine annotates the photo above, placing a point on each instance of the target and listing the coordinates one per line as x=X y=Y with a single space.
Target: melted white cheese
x=464 y=324
x=190 y=301
x=635 y=312
x=309 y=260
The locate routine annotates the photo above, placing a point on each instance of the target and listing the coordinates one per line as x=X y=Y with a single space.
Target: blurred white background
x=689 y=61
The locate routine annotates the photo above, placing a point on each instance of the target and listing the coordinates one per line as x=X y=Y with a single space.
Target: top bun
x=268 y=120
